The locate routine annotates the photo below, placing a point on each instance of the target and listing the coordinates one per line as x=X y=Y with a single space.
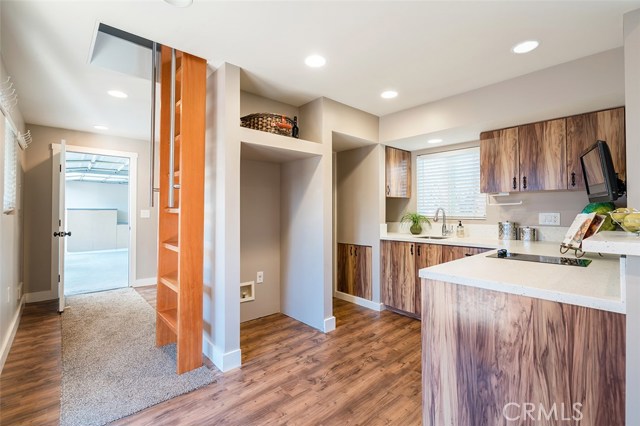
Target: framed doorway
x=82 y=247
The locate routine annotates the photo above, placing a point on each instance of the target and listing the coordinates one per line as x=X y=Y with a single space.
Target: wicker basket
x=267 y=122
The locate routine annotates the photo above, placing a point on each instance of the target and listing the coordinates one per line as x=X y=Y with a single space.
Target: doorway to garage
x=97 y=216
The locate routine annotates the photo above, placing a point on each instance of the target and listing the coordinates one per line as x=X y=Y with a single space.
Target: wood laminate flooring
x=366 y=372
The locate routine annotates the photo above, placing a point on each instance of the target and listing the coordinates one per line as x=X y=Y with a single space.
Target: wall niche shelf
x=247 y=291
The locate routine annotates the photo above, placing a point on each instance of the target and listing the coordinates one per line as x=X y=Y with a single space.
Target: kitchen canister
x=507 y=230
x=528 y=233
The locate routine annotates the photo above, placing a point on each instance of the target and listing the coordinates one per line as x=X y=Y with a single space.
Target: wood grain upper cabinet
x=499 y=165
x=543 y=155
x=397 y=275
x=398 y=173
x=584 y=130
x=354 y=270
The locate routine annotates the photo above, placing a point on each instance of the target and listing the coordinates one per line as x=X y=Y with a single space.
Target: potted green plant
x=416 y=220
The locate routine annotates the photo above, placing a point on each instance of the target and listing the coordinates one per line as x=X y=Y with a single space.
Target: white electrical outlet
x=260 y=277
x=145 y=214
x=552 y=219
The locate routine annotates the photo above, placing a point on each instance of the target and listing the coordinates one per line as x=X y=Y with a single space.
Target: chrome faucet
x=445 y=231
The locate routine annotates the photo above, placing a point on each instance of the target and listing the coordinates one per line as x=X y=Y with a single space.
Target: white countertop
x=613 y=242
x=595 y=286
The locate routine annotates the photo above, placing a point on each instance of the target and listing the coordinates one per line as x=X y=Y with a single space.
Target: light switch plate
x=260 y=277
x=551 y=219
x=145 y=214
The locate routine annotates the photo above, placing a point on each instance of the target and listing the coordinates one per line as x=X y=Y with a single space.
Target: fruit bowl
x=628 y=220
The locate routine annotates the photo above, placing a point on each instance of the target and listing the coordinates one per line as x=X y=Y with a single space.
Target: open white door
x=59 y=221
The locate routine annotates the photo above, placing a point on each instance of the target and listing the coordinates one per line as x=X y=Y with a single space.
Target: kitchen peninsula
x=508 y=341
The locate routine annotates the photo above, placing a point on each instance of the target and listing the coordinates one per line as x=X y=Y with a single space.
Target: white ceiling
x=424 y=50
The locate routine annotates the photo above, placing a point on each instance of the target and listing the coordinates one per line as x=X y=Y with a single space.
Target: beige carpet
x=111 y=367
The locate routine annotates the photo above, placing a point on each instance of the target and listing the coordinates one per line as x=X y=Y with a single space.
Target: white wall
x=11 y=256
x=632 y=102
x=260 y=236
x=95 y=195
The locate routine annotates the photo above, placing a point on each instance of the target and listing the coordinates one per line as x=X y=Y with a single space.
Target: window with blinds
x=451 y=180
x=10 y=170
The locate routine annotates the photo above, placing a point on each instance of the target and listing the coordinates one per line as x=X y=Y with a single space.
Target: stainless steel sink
x=432 y=237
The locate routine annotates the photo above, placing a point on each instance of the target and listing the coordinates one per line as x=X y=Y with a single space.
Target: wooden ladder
x=181 y=217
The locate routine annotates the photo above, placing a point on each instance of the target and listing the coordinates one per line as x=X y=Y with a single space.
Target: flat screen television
x=600 y=178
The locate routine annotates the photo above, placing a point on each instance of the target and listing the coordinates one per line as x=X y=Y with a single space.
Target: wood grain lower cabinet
x=426 y=255
x=397 y=279
x=450 y=253
x=484 y=349
x=400 y=266
x=354 y=270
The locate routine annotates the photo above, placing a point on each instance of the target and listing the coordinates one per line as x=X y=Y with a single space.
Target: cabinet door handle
x=468 y=254
x=388 y=190
x=418 y=249
x=515 y=183
x=524 y=182
x=412 y=249
x=573 y=178
x=355 y=251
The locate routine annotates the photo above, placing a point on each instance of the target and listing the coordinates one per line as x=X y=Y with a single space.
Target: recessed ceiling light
x=434 y=141
x=389 y=94
x=315 y=61
x=179 y=3
x=525 y=46
x=100 y=127
x=118 y=94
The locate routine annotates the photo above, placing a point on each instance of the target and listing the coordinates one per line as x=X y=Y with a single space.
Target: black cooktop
x=569 y=261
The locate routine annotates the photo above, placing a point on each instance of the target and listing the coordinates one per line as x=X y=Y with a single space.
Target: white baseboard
x=40 y=296
x=141 y=282
x=359 y=301
x=224 y=361
x=329 y=324
x=13 y=328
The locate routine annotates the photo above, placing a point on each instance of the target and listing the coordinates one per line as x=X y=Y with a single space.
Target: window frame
x=450 y=152
x=10 y=170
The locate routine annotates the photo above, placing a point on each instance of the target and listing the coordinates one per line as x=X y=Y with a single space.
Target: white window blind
x=451 y=180
x=10 y=170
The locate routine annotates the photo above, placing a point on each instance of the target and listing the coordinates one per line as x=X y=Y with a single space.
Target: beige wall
x=260 y=236
x=358 y=194
x=567 y=203
x=251 y=104
x=38 y=199
x=586 y=84
x=11 y=240
x=10 y=255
